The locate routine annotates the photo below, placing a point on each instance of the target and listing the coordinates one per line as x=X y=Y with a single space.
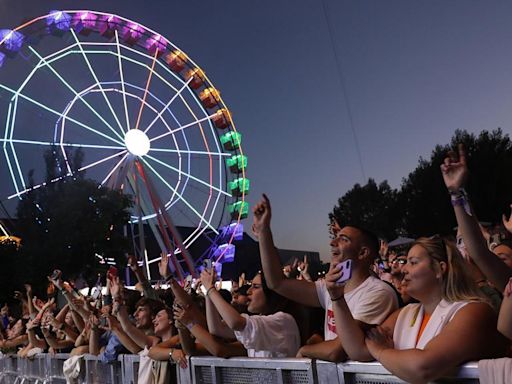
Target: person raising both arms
x=370 y=300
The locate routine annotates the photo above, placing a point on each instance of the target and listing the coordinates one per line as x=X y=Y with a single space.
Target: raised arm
x=213 y=345
x=233 y=319
x=115 y=326
x=94 y=336
x=135 y=333
x=215 y=324
x=148 y=290
x=455 y=173
x=302 y=291
x=28 y=291
x=32 y=339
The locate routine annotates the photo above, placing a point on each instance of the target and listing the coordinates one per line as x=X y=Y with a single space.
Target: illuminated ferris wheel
x=146 y=117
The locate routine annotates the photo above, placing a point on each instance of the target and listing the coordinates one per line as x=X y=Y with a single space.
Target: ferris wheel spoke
x=121 y=74
x=45 y=107
x=148 y=82
x=109 y=175
x=184 y=151
x=49 y=143
x=180 y=196
x=178 y=93
x=96 y=79
x=188 y=175
x=183 y=127
x=26 y=190
x=46 y=64
x=102 y=160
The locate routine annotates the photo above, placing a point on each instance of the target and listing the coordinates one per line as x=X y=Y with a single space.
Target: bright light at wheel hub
x=137 y=142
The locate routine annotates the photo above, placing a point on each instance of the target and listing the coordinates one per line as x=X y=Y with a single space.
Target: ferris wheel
x=145 y=115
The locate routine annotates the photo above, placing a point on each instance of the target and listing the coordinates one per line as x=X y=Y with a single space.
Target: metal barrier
x=45 y=368
x=97 y=372
x=55 y=368
x=214 y=370
x=10 y=372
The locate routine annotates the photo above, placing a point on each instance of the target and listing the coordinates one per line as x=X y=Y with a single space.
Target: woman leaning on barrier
x=450 y=325
x=269 y=331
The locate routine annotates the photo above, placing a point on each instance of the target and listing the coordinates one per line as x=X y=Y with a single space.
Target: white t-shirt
x=371 y=302
x=275 y=335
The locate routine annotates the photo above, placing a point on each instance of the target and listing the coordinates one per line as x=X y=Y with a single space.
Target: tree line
x=421 y=205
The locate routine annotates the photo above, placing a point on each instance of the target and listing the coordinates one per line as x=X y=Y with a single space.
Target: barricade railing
x=46 y=368
x=215 y=370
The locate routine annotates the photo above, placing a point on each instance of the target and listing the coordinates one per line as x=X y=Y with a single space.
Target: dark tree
x=422 y=205
x=11 y=278
x=370 y=206
x=424 y=196
x=66 y=223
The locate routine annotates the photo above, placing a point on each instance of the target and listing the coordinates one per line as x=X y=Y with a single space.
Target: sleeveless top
x=409 y=321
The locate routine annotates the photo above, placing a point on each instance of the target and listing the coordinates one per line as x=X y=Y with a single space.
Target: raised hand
x=507 y=222
x=262 y=214
x=334 y=273
x=34 y=323
x=56 y=279
x=208 y=278
x=303 y=268
x=241 y=279
x=163 y=266
x=112 y=323
x=116 y=287
x=383 y=249
x=184 y=315
x=454 y=169
x=28 y=289
x=287 y=270
x=132 y=263
x=95 y=322
x=46 y=320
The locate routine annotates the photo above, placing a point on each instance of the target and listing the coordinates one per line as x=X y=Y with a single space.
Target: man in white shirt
x=369 y=299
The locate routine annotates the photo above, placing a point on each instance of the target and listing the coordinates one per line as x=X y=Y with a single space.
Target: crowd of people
x=421 y=309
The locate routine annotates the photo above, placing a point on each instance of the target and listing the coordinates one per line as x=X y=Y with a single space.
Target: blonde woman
x=450 y=324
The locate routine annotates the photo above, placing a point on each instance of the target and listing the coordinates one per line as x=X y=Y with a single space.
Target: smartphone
x=346 y=271
x=55 y=274
x=103 y=321
x=207 y=263
x=96 y=293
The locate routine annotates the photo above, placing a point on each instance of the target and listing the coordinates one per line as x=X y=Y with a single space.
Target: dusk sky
x=414 y=72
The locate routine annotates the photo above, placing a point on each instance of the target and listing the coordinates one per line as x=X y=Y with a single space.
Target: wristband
x=336 y=299
x=209 y=289
x=191 y=325
x=460 y=198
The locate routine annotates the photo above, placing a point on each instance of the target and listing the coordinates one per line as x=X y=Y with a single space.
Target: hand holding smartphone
x=207 y=264
x=346 y=271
